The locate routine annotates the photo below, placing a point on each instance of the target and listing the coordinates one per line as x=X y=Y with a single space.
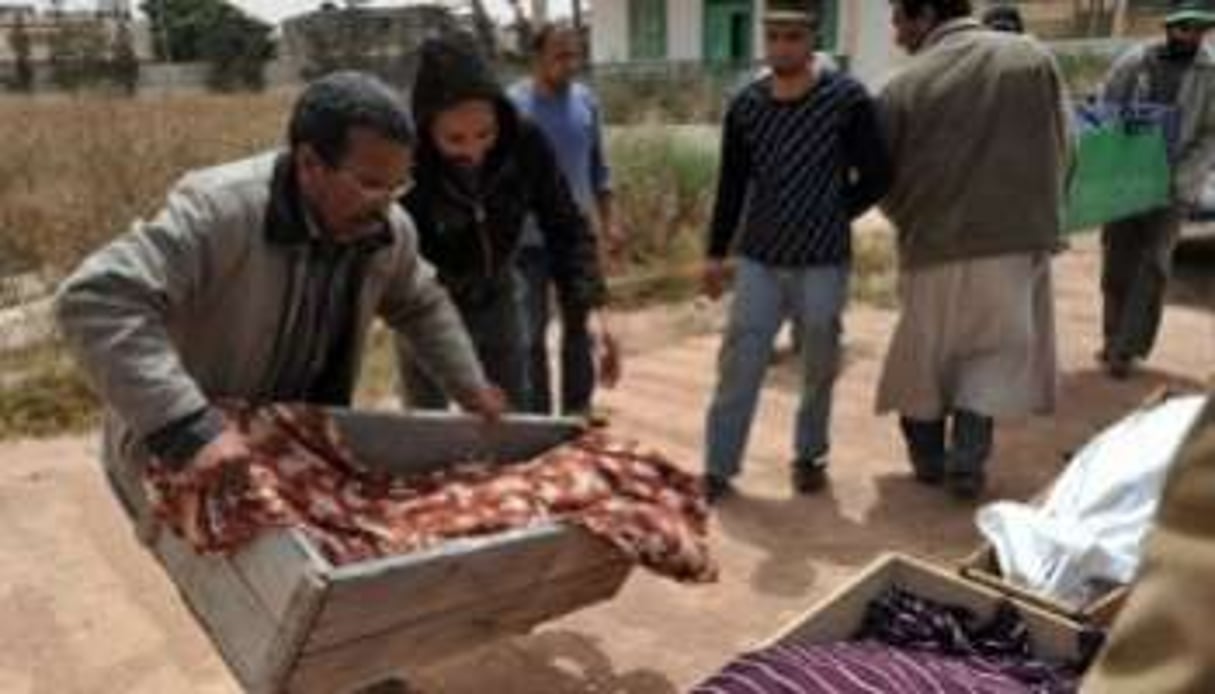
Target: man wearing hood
x=481 y=170
x=1137 y=251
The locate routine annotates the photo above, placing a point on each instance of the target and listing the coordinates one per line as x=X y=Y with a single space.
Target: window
x=728 y=28
x=828 y=26
x=647 y=29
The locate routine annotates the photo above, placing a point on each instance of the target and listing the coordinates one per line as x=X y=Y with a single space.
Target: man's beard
x=1180 y=51
x=465 y=174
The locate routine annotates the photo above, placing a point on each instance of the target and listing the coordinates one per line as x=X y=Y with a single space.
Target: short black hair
x=543 y=33
x=944 y=10
x=1004 y=18
x=332 y=106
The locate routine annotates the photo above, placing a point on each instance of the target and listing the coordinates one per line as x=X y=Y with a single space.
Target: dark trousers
x=1137 y=257
x=577 y=346
x=497 y=332
x=970 y=441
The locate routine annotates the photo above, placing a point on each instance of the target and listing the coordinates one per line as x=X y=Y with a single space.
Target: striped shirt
x=794 y=174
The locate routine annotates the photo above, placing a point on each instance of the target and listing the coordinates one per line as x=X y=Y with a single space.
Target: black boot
x=926 y=448
x=810 y=475
x=970 y=447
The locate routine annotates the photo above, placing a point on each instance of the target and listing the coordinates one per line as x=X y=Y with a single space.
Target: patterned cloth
x=908 y=645
x=302 y=474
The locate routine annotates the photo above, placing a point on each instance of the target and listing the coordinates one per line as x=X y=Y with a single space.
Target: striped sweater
x=794 y=174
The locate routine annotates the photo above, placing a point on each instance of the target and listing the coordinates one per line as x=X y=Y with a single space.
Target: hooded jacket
x=470 y=230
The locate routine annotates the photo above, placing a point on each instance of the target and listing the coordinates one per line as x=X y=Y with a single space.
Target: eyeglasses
x=378 y=190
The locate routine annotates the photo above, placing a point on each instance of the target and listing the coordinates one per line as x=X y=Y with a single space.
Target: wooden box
x=839 y=617
x=285 y=620
x=983 y=567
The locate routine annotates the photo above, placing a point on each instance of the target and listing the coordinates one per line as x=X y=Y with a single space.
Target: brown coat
x=979 y=138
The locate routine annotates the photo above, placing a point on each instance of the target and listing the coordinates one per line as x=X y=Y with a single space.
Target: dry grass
x=75 y=171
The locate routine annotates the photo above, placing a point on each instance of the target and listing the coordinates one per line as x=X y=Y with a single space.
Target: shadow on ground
x=553 y=662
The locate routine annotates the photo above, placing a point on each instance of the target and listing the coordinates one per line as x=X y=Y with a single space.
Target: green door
x=728 y=29
x=829 y=26
x=648 y=29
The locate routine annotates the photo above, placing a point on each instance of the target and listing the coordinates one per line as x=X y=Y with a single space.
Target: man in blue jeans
x=802 y=156
x=568 y=114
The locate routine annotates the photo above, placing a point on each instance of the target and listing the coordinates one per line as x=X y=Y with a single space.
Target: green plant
x=664 y=180
x=44 y=396
x=674 y=95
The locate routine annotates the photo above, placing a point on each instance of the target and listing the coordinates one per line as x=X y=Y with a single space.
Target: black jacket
x=471 y=232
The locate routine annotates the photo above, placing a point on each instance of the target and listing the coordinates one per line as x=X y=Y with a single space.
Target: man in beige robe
x=979 y=140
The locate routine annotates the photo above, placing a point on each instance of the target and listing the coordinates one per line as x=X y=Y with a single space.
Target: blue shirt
x=570 y=121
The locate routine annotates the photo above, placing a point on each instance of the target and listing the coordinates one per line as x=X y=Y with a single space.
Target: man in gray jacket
x=980 y=147
x=257 y=281
x=1177 y=72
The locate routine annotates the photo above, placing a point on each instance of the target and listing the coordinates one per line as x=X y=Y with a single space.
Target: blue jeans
x=764 y=298
x=577 y=350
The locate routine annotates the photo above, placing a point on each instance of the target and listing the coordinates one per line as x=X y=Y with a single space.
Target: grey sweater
x=199 y=304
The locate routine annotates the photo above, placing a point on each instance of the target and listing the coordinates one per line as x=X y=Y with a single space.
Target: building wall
x=610 y=32
x=382 y=40
x=867 y=39
x=685 y=20
x=41 y=28
x=685 y=30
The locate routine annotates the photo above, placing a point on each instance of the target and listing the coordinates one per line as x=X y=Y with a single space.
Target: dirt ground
x=84 y=609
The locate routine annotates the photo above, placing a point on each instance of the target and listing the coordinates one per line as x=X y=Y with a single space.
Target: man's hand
x=225 y=458
x=614 y=242
x=611 y=363
x=713 y=278
x=488 y=403
x=608 y=357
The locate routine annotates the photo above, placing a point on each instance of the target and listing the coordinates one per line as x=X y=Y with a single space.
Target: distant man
x=482 y=171
x=568 y=114
x=1137 y=252
x=802 y=156
x=980 y=147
